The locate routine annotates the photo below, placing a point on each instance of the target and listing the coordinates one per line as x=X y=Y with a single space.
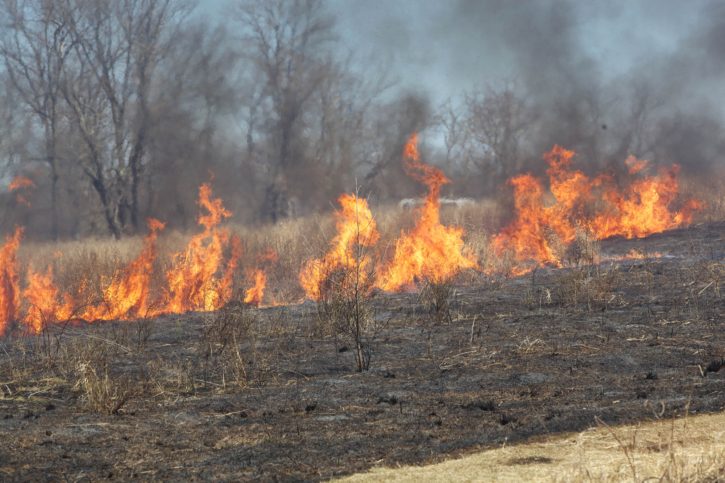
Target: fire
x=127 y=296
x=255 y=294
x=9 y=280
x=193 y=283
x=541 y=229
x=45 y=304
x=201 y=278
x=538 y=227
x=20 y=183
x=356 y=228
x=644 y=208
x=430 y=250
x=633 y=254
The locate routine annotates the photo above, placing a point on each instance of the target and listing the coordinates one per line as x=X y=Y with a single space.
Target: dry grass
x=682 y=450
x=83 y=267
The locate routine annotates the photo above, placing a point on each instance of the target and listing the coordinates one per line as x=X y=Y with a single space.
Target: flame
x=534 y=233
x=644 y=208
x=127 y=296
x=430 y=250
x=45 y=304
x=21 y=183
x=633 y=254
x=356 y=228
x=540 y=230
x=9 y=280
x=635 y=165
x=192 y=280
x=255 y=294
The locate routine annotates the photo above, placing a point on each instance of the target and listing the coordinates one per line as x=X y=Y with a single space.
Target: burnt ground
x=549 y=352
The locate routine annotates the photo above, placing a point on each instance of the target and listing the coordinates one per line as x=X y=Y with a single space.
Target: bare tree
x=34 y=47
x=197 y=96
x=288 y=42
x=497 y=122
x=117 y=48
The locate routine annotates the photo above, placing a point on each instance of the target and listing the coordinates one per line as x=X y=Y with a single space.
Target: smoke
x=604 y=78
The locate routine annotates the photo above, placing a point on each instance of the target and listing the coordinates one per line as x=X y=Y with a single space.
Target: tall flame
x=192 y=281
x=255 y=294
x=45 y=303
x=596 y=205
x=127 y=296
x=644 y=208
x=537 y=228
x=430 y=250
x=356 y=228
x=9 y=280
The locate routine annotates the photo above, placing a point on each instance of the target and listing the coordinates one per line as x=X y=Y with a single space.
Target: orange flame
x=598 y=205
x=21 y=183
x=644 y=208
x=127 y=296
x=431 y=250
x=44 y=301
x=255 y=293
x=192 y=281
x=537 y=228
x=9 y=280
x=356 y=228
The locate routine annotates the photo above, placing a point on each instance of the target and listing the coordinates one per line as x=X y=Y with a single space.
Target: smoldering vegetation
x=118 y=111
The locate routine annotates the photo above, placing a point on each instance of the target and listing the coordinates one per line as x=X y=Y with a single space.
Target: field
x=481 y=362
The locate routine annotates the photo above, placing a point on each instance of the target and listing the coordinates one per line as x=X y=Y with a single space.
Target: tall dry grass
x=84 y=266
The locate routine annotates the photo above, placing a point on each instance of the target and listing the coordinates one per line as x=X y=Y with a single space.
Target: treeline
x=118 y=109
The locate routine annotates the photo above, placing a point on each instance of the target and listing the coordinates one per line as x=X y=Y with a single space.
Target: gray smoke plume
x=607 y=79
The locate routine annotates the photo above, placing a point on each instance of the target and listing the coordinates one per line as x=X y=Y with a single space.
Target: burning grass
x=556 y=226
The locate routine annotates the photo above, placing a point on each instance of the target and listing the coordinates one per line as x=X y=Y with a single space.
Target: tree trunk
x=108 y=214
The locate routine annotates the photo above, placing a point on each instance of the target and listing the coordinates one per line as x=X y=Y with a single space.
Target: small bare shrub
x=345 y=308
x=583 y=250
x=220 y=345
x=436 y=299
x=592 y=286
x=101 y=393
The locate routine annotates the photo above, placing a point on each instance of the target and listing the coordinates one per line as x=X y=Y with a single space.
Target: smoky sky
x=584 y=67
x=444 y=48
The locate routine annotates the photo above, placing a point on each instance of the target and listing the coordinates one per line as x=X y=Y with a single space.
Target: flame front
x=431 y=250
x=356 y=228
x=127 y=296
x=45 y=303
x=255 y=293
x=9 y=280
x=644 y=208
x=597 y=205
x=192 y=281
x=202 y=276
